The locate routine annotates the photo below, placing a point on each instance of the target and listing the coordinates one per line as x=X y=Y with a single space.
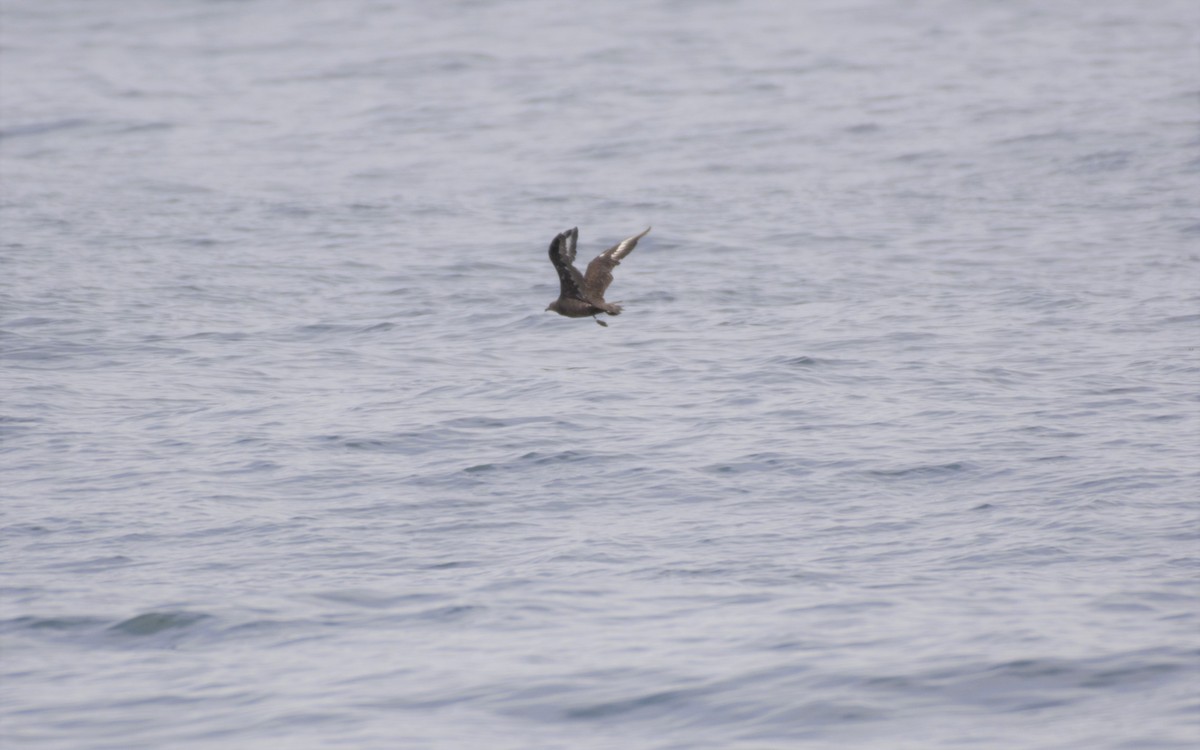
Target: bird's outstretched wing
x=562 y=255
x=599 y=271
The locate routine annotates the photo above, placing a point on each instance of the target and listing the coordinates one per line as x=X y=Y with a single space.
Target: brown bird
x=582 y=294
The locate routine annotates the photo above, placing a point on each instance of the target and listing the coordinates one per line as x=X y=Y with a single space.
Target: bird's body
x=581 y=295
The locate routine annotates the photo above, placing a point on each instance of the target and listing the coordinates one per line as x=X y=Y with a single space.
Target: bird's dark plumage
x=582 y=294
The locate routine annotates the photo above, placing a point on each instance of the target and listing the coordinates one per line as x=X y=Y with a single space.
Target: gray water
x=894 y=446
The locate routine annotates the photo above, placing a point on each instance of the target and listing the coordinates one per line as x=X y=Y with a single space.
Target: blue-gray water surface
x=894 y=446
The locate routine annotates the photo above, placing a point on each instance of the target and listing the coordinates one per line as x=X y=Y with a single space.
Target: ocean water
x=894 y=446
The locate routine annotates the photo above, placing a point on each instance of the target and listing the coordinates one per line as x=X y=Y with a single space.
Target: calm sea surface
x=896 y=445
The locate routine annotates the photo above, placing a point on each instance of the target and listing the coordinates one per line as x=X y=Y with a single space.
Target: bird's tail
x=612 y=308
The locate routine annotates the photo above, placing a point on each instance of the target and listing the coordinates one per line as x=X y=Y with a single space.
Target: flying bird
x=582 y=294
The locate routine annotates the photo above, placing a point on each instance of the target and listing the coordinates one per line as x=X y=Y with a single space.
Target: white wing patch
x=568 y=254
x=625 y=246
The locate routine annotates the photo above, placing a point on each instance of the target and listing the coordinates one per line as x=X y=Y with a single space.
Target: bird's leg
x=598 y=321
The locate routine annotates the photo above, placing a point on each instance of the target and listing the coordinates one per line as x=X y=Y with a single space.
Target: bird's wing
x=599 y=271
x=562 y=255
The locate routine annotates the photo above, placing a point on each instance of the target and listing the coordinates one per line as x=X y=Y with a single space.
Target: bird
x=582 y=294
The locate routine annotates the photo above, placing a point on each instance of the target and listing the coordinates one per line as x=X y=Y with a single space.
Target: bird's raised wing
x=562 y=255
x=599 y=271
